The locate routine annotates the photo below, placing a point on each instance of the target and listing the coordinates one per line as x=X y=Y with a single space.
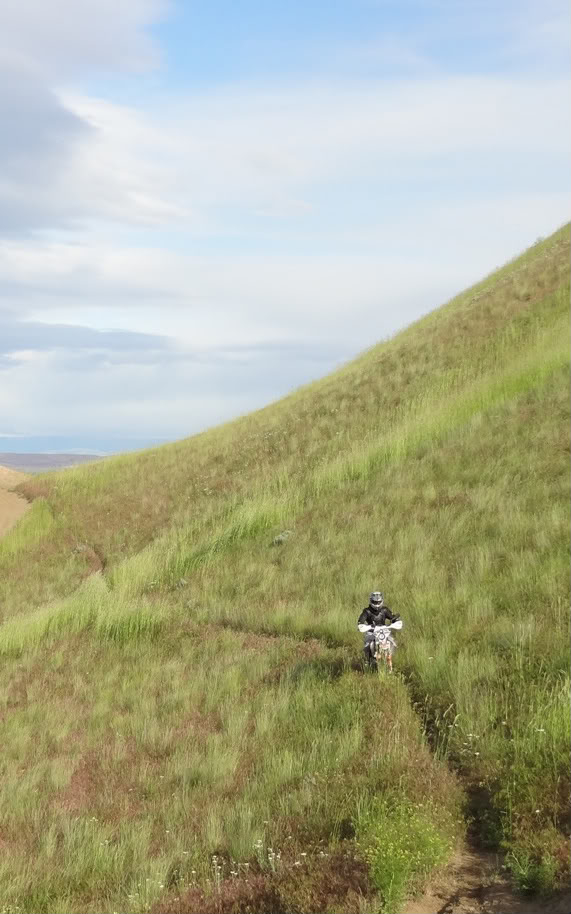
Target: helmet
x=376 y=598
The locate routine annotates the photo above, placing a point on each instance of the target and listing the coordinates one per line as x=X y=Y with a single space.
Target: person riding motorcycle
x=376 y=613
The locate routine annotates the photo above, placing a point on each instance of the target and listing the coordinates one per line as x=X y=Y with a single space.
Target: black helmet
x=376 y=599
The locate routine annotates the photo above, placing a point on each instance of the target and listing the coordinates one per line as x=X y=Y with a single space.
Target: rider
x=376 y=613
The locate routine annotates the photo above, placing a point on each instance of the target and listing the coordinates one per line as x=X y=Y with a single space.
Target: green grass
x=403 y=842
x=176 y=687
x=167 y=769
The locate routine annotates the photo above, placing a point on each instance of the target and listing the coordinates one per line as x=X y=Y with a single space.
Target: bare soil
x=12 y=505
x=474 y=883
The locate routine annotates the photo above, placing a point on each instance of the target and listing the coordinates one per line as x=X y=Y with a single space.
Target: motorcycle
x=382 y=647
x=385 y=644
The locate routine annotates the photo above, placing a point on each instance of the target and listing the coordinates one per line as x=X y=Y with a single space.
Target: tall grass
x=130 y=777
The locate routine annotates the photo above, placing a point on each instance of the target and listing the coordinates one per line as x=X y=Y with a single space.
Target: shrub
x=533 y=874
x=402 y=844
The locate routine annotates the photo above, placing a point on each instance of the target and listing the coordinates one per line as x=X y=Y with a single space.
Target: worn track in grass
x=12 y=506
x=474 y=883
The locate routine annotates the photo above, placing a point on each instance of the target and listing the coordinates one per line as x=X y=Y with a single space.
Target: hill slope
x=206 y=710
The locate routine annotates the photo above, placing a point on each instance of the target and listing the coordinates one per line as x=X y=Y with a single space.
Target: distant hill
x=39 y=463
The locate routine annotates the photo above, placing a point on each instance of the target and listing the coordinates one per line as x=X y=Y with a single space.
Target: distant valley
x=39 y=463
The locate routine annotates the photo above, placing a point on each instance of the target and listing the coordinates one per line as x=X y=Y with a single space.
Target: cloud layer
x=170 y=262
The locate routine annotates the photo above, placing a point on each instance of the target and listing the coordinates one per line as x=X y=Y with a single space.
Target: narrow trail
x=12 y=505
x=473 y=883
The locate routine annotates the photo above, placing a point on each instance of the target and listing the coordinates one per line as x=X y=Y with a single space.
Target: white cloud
x=124 y=173
x=42 y=44
x=64 y=37
x=213 y=300
x=269 y=152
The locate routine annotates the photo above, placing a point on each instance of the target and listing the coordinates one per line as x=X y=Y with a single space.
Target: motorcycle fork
x=384 y=657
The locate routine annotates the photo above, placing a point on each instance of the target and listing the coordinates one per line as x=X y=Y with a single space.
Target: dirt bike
x=385 y=644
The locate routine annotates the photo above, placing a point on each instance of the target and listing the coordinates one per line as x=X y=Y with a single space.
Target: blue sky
x=207 y=44
x=204 y=205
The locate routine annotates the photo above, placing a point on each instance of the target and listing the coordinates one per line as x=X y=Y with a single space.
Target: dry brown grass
x=336 y=883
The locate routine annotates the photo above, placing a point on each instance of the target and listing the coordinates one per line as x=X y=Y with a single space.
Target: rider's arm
x=390 y=615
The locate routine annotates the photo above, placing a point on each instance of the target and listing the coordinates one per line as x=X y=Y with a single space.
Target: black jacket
x=370 y=616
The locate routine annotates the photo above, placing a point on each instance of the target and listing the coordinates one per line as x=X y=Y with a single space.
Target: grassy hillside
x=181 y=701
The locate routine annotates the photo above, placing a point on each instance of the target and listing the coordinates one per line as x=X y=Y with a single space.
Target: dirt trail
x=473 y=883
x=12 y=506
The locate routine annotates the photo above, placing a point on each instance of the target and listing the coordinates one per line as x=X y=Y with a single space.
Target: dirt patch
x=12 y=506
x=474 y=883
x=10 y=478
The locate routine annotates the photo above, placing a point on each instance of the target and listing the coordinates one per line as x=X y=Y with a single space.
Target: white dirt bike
x=384 y=644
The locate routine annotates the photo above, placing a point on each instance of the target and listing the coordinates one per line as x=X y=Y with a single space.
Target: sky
x=205 y=204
